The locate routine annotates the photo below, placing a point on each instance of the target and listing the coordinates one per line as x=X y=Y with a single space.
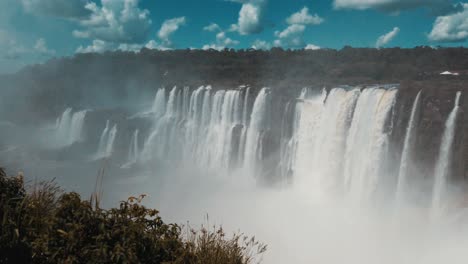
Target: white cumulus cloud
x=451 y=28
x=168 y=28
x=386 y=38
x=290 y=31
x=293 y=35
x=97 y=46
x=437 y=6
x=117 y=21
x=251 y=17
x=261 y=45
x=222 y=40
x=213 y=46
x=304 y=18
x=212 y=27
x=41 y=47
x=311 y=47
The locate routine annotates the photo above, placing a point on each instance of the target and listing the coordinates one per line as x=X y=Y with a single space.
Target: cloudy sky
x=32 y=31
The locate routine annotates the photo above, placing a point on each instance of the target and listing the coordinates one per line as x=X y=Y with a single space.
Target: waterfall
x=198 y=127
x=366 y=143
x=69 y=127
x=289 y=144
x=106 y=142
x=63 y=126
x=258 y=123
x=442 y=167
x=132 y=150
x=339 y=141
x=245 y=111
x=407 y=154
x=321 y=137
x=159 y=105
x=103 y=140
x=110 y=141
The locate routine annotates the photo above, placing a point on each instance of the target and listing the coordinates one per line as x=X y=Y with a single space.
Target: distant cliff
x=121 y=78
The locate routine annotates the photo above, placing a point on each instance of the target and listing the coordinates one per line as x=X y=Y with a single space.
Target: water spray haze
x=311 y=176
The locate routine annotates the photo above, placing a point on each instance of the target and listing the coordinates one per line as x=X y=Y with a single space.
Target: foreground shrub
x=212 y=247
x=45 y=225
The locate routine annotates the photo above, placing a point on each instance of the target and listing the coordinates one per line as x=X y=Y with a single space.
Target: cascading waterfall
x=103 y=140
x=63 y=125
x=106 y=142
x=245 y=113
x=159 y=105
x=289 y=144
x=308 y=114
x=110 y=141
x=199 y=126
x=442 y=167
x=340 y=141
x=133 y=151
x=407 y=154
x=366 y=143
x=258 y=123
x=329 y=140
x=69 y=127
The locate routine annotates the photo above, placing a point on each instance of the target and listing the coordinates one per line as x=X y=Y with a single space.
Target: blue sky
x=32 y=31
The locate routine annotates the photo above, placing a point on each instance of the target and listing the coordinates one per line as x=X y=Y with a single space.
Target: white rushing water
x=133 y=150
x=200 y=127
x=106 y=142
x=442 y=167
x=69 y=127
x=340 y=140
x=365 y=143
x=338 y=147
x=258 y=123
x=407 y=155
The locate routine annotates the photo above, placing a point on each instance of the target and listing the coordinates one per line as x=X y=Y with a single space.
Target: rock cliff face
x=126 y=78
x=437 y=101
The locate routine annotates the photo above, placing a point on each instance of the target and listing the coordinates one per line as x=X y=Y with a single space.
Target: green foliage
x=212 y=247
x=45 y=225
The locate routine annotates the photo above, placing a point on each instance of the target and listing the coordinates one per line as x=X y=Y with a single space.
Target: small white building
x=449 y=73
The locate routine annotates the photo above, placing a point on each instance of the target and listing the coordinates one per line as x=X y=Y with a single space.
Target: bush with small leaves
x=46 y=225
